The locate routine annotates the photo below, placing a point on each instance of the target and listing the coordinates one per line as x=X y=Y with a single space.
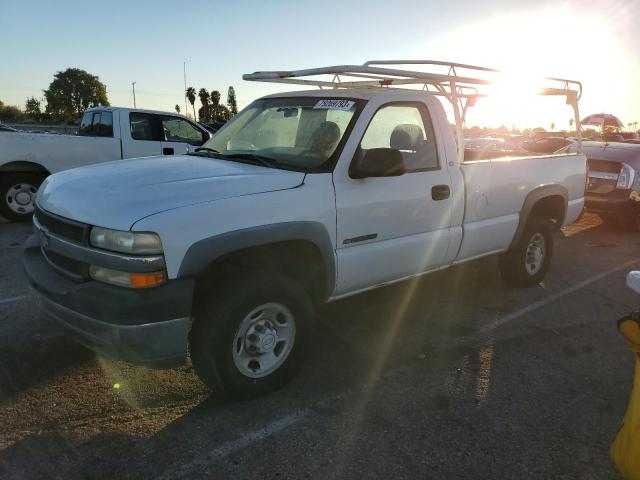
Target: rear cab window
x=96 y=124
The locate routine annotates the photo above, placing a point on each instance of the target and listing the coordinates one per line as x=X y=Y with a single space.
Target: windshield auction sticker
x=328 y=104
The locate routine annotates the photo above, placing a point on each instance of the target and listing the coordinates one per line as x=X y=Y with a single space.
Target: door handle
x=167 y=151
x=440 y=192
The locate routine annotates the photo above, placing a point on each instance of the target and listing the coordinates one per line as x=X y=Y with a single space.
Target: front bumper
x=144 y=327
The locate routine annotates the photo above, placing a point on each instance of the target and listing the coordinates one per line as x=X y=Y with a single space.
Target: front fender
x=205 y=251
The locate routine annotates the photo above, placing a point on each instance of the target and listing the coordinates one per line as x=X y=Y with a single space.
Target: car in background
x=547 y=145
x=6 y=128
x=613 y=181
x=485 y=148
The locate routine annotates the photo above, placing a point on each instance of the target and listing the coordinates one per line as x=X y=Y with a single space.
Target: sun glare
x=557 y=42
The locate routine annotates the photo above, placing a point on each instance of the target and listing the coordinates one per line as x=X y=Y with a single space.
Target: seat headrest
x=329 y=132
x=407 y=136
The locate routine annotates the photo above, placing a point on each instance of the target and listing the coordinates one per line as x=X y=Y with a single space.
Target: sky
x=594 y=41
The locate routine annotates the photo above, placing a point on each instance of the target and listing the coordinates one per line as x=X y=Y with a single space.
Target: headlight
x=125 y=242
x=126 y=279
x=626 y=177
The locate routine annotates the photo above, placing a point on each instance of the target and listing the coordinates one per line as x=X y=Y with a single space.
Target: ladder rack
x=459 y=83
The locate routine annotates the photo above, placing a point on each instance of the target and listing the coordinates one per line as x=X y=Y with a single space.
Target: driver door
x=394 y=227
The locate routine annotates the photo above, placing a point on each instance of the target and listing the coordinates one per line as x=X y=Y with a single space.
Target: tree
x=553 y=126
x=32 y=108
x=215 y=103
x=571 y=123
x=222 y=113
x=177 y=107
x=191 y=96
x=9 y=113
x=204 y=100
x=231 y=101
x=73 y=91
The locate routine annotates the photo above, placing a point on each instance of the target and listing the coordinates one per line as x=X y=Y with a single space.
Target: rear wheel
x=250 y=335
x=526 y=263
x=18 y=195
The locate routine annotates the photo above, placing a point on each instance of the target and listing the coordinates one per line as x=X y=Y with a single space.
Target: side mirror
x=378 y=162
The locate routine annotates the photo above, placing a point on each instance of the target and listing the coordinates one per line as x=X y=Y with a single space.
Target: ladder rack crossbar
x=379 y=74
x=461 y=90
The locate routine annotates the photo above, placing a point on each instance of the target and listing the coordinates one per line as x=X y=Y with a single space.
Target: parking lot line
x=552 y=298
x=228 y=448
x=13 y=299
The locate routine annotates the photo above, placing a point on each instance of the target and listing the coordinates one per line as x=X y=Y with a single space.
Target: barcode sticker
x=336 y=104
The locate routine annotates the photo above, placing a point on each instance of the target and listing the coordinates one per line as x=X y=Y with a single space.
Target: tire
x=17 y=195
x=224 y=354
x=518 y=266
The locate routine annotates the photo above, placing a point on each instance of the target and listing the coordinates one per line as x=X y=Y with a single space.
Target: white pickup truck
x=303 y=198
x=105 y=134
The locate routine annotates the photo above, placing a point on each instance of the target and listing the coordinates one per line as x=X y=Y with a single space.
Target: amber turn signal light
x=146 y=280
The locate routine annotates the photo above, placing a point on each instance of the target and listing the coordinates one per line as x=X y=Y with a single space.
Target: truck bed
x=496 y=191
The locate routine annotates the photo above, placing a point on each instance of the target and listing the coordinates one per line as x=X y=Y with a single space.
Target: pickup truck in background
x=302 y=198
x=105 y=134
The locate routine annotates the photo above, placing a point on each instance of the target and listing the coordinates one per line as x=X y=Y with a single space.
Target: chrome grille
x=68 y=230
x=62 y=227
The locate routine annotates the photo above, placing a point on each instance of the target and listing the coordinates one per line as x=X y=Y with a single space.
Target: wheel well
x=299 y=259
x=23 y=167
x=552 y=207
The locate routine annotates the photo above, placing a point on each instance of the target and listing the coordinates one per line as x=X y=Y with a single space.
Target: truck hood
x=118 y=194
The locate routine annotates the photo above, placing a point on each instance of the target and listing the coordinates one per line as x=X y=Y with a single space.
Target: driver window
x=179 y=130
x=406 y=128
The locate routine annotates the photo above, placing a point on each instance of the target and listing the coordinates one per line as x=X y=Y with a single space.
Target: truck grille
x=62 y=227
x=71 y=231
x=73 y=268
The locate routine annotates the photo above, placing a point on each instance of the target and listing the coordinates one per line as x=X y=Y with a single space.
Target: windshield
x=300 y=133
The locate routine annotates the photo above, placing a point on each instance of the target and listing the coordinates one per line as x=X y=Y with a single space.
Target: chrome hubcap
x=535 y=254
x=264 y=340
x=20 y=198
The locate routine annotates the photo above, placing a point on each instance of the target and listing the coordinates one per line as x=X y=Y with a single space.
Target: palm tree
x=204 y=99
x=177 y=107
x=191 y=96
x=215 y=103
x=231 y=101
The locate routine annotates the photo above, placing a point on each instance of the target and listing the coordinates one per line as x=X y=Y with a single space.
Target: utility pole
x=184 y=92
x=133 y=85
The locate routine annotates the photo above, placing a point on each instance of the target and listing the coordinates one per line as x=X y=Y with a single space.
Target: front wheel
x=18 y=195
x=526 y=263
x=250 y=335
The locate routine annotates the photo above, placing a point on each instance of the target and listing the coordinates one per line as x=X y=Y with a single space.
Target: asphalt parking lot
x=452 y=376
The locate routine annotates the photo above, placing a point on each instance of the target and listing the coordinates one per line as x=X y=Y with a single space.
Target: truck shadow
x=165 y=420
